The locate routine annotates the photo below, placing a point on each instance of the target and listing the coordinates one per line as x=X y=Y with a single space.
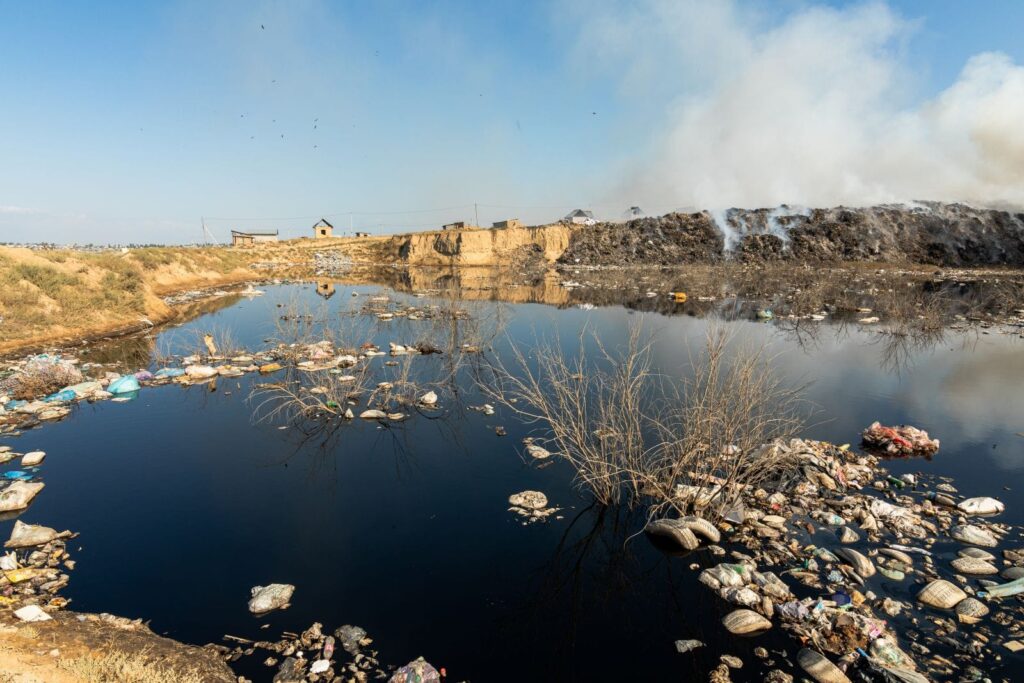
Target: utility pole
x=350 y=223
x=476 y=216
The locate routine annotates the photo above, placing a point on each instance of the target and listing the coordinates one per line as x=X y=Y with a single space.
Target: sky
x=136 y=122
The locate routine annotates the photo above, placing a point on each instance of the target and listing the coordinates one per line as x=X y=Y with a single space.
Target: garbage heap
x=848 y=560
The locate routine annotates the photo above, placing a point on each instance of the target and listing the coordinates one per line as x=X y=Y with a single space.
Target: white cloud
x=16 y=210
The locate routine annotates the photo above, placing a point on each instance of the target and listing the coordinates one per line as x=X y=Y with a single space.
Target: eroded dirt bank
x=53 y=295
x=81 y=648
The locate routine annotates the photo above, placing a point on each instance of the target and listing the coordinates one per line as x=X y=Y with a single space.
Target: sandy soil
x=74 y=648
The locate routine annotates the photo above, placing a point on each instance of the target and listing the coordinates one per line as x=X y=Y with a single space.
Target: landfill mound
x=951 y=235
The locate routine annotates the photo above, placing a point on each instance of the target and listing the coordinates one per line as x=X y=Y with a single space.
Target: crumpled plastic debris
x=900 y=440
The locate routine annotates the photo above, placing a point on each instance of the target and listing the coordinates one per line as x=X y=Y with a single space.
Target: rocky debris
x=270 y=597
x=901 y=440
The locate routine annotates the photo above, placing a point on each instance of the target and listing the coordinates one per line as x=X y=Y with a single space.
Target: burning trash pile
x=876 y=577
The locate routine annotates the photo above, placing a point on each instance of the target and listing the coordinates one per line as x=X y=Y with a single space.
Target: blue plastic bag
x=62 y=395
x=168 y=372
x=123 y=385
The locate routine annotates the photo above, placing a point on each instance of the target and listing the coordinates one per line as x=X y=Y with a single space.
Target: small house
x=362 y=234
x=244 y=239
x=457 y=225
x=322 y=229
x=510 y=223
x=580 y=217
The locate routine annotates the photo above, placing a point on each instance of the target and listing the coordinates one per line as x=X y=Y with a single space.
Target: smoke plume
x=817 y=109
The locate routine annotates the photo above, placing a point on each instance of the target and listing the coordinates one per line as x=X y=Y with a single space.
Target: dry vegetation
x=55 y=293
x=638 y=437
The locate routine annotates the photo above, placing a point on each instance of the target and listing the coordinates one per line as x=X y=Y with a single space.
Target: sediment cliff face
x=476 y=247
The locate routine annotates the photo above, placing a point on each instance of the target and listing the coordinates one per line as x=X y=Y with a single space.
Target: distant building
x=457 y=225
x=242 y=239
x=634 y=212
x=362 y=234
x=510 y=223
x=325 y=288
x=580 y=217
x=322 y=229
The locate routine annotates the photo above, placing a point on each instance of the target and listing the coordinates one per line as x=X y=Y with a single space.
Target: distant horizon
x=344 y=231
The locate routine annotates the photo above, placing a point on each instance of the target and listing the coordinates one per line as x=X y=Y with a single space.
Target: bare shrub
x=632 y=435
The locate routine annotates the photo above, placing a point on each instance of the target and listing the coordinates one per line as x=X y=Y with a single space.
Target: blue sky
x=130 y=121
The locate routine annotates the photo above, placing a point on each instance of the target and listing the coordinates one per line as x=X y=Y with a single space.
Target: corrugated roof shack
x=244 y=239
x=510 y=223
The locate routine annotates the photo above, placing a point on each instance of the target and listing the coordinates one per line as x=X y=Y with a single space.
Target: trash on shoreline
x=32 y=613
x=27 y=535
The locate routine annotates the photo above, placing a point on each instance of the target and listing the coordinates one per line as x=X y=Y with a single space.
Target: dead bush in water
x=717 y=429
x=636 y=436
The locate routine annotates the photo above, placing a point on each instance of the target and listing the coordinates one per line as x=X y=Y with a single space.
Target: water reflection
x=368 y=519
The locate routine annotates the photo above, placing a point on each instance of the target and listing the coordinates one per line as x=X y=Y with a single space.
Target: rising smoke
x=818 y=109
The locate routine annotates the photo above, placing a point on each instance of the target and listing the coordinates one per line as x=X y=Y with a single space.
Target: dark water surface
x=184 y=502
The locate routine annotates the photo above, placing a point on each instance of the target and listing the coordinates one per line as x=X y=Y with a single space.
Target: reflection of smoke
x=810 y=110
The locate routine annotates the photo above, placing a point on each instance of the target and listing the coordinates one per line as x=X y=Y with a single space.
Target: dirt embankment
x=478 y=247
x=81 y=648
x=51 y=295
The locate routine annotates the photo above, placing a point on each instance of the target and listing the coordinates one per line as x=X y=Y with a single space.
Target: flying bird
x=261 y=27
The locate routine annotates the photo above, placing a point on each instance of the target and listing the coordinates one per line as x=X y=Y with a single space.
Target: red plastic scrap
x=900 y=440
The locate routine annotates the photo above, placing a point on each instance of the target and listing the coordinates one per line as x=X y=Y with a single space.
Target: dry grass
x=635 y=436
x=116 y=666
x=60 y=291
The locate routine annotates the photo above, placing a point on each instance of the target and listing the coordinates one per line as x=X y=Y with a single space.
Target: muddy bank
x=951 y=235
x=76 y=648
